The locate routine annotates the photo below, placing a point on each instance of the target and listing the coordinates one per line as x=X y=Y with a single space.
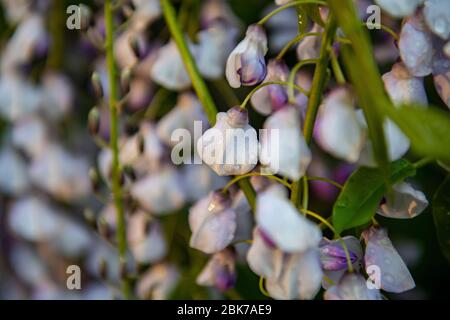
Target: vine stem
x=269 y=83
x=197 y=82
x=114 y=145
x=315 y=97
x=254 y=174
x=289 y=5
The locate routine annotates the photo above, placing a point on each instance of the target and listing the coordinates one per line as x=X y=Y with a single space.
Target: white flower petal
x=437 y=17
x=14 y=178
x=339 y=131
x=158 y=282
x=291 y=231
x=352 y=287
x=213 y=225
x=399 y=8
x=283 y=149
x=404 y=203
x=395 y=276
x=261 y=257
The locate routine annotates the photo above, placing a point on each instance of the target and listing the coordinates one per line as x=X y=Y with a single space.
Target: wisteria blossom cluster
x=87 y=170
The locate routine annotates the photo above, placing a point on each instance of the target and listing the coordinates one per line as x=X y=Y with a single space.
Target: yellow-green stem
x=114 y=145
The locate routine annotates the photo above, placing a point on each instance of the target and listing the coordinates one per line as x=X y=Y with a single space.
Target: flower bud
x=94 y=121
x=333 y=257
x=246 y=65
x=212 y=222
x=97 y=85
x=231 y=146
x=272 y=97
x=219 y=272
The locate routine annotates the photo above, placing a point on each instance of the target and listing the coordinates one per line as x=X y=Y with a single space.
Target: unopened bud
x=94 y=121
x=89 y=216
x=125 y=78
x=97 y=85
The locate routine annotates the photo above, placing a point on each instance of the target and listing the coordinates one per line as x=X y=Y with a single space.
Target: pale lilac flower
x=280 y=220
x=71 y=239
x=296 y=276
x=160 y=192
x=57 y=95
x=399 y=8
x=218 y=10
x=231 y=146
x=18 y=97
x=123 y=48
x=187 y=110
x=25 y=42
x=288 y=275
x=397 y=142
x=246 y=65
x=30 y=135
x=33 y=219
x=215 y=44
x=145 y=238
x=168 y=69
x=272 y=98
x=61 y=174
x=219 y=272
x=437 y=17
x=200 y=179
x=352 y=287
x=158 y=282
x=212 y=222
x=334 y=260
x=309 y=48
x=404 y=202
x=402 y=87
x=394 y=274
x=283 y=149
x=145 y=12
x=14 y=179
x=338 y=131
x=16 y=10
x=416 y=46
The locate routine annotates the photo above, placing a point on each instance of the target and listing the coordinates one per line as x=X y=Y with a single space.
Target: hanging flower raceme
x=283 y=149
x=381 y=255
x=220 y=271
x=285 y=248
x=246 y=65
x=273 y=97
x=212 y=222
x=231 y=146
x=338 y=130
x=404 y=202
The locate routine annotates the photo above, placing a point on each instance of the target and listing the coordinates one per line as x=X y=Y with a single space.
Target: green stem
x=197 y=81
x=255 y=174
x=423 y=162
x=269 y=83
x=298 y=38
x=289 y=5
x=293 y=73
x=114 y=145
x=315 y=97
x=199 y=85
x=305 y=198
x=338 y=74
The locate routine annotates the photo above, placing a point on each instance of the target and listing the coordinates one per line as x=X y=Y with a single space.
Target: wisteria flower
x=273 y=97
x=352 y=286
x=219 y=272
x=212 y=222
x=283 y=149
x=231 y=146
x=399 y=8
x=394 y=275
x=246 y=65
x=158 y=282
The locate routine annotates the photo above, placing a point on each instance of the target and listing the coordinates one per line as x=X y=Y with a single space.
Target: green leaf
x=441 y=215
x=427 y=128
x=362 y=193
